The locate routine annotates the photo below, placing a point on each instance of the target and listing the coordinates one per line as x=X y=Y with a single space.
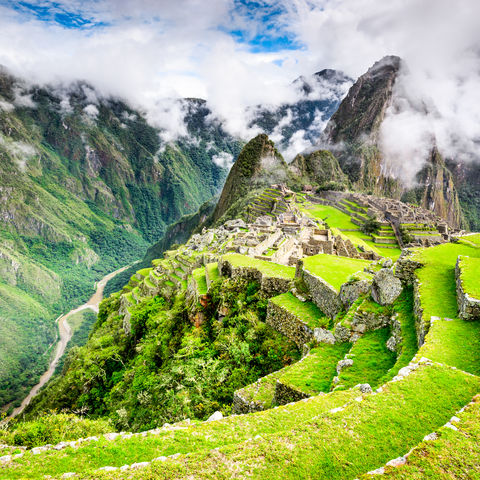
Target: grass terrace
x=335 y=445
x=471 y=239
x=207 y=435
x=437 y=277
x=371 y=360
x=454 y=342
x=307 y=312
x=332 y=215
x=314 y=374
x=333 y=269
x=269 y=269
x=212 y=271
x=470 y=275
x=454 y=455
x=403 y=307
x=200 y=279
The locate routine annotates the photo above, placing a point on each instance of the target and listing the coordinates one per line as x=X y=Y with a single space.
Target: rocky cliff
x=353 y=134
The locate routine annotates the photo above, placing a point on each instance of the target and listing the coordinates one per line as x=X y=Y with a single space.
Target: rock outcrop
x=386 y=287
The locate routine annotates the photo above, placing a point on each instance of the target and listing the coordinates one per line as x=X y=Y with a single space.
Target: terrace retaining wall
x=270 y=286
x=468 y=307
x=285 y=394
x=325 y=297
x=289 y=325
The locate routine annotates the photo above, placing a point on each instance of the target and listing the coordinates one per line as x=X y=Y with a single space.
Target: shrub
x=371 y=226
x=54 y=428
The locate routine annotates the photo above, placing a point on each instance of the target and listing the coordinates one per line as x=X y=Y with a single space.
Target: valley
x=65 y=334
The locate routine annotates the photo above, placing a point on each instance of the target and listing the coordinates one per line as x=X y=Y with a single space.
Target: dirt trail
x=65 y=335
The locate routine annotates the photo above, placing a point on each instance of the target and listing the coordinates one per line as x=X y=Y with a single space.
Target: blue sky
x=258 y=25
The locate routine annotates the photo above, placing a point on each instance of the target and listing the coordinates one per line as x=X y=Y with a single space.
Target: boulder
x=348 y=362
x=349 y=292
x=323 y=336
x=386 y=287
x=342 y=334
x=215 y=416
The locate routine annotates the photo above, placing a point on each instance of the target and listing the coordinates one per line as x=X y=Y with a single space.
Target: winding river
x=65 y=335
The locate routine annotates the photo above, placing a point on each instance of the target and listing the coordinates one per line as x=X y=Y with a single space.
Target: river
x=65 y=335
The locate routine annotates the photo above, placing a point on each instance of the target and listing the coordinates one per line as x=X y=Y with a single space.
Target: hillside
x=86 y=186
x=307 y=330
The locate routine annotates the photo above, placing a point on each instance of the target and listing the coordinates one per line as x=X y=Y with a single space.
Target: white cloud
x=150 y=50
x=223 y=160
x=91 y=111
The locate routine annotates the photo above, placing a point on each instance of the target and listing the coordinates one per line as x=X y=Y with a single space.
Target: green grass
x=200 y=278
x=314 y=374
x=270 y=269
x=333 y=269
x=437 y=277
x=454 y=455
x=206 y=435
x=470 y=275
x=392 y=253
x=336 y=445
x=306 y=312
x=469 y=239
x=212 y=271
x=455 y=343
x=332 y=215
x=403 y=307
x=262 y=391
x=371 y=360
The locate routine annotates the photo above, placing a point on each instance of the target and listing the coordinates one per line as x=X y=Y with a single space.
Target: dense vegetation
x=167 y=369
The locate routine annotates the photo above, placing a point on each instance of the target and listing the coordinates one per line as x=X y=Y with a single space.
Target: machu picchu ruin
x=221 y=258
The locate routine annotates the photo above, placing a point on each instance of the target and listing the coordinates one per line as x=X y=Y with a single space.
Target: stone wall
x=349 y=292
x=323 y=295
x=270 y=286
x=422 y=324
x=242 y=405
x=365 y=321
x=405 y=268
x=468 y=307
x=289 y=325
x=285 y=394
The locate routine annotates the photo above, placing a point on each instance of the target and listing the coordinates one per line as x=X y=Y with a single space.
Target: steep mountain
x=258 y=166
x=353 y=134
x=320 y=168
x=319 y=96
x=86 y=184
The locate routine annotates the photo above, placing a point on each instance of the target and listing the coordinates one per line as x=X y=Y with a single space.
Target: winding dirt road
x=65 y=335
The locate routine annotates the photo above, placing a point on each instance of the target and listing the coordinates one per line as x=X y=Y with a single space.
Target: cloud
x=223 y=160
x=238 y=54
x=91 y=111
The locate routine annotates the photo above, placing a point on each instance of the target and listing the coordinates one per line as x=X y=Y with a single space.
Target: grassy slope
x=371 y=360
x=333 y=269
x=267 y=268
x=337 y=445
x=453 y=342
x=307 y=312
x=204 y=435
x=199 y=276
x=454 y=455
x=470 y=274
x=315 y=373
